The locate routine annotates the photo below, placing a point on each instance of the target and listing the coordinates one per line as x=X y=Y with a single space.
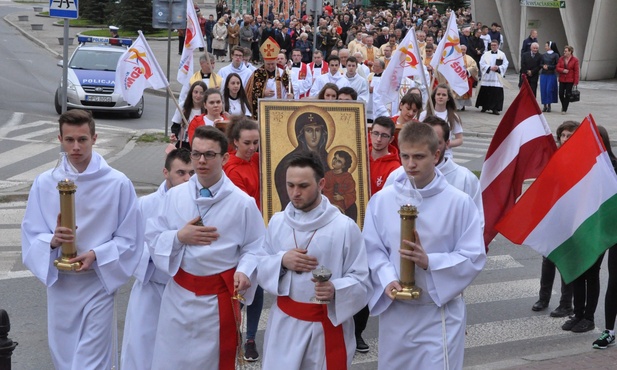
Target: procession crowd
x=199 y=248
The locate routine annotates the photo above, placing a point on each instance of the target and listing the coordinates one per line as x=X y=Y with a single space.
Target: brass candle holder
x=408 y=214
x=67 y=189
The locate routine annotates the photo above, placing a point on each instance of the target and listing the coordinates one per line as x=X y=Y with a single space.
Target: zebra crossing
x=29 y=149
x=473 y=148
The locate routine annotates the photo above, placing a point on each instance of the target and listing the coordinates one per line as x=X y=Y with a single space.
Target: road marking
x=501 y=291
x=25 y=152
x=9 y=126
x=499 y=262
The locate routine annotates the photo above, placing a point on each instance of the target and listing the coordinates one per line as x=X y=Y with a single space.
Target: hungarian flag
x=568 y=214
x=193 y=39
x=448 y=59
x=137 y=69
x=405 y=62
x=521 y=147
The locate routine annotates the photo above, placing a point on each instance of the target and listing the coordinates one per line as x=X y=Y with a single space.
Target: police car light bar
x=104 y=40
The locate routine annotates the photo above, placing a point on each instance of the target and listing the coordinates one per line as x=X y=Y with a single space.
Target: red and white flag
x=448 y=58
x=568 y=214
x=405 y=62
x=521 y=147
x=193 y=39
x=137 y=69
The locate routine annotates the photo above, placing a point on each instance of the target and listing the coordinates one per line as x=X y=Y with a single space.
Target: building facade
x=583 y=24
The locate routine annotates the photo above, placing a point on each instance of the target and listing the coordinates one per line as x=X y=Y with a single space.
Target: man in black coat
x=531 y=63
x=284 y=40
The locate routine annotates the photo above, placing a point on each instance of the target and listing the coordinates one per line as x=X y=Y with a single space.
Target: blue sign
x=63 y=9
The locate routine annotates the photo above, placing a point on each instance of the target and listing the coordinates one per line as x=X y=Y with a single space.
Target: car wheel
x=140 y=110
x=57 y=104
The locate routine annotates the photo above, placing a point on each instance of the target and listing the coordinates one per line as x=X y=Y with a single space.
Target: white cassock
x=373 y=81
x=301 y=80
x=244 y=72
x=358 y=83
x=487 y=61
x=363 y=70
x=188 y=331
x=81 y=305
x=142 y=312
x=322 y=80
x=335 y=240
x=412 y=333
x=458 y=176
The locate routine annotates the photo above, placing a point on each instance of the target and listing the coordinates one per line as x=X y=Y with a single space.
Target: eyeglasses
x=209 y=155
x=383 y=136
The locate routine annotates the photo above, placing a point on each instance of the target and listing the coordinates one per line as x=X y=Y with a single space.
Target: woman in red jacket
x=568 y=72
x=242 y=169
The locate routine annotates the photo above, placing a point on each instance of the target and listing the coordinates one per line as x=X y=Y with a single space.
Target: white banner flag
x=193 y=39
x=448 y=58
x=406 y=62
x=137 y=70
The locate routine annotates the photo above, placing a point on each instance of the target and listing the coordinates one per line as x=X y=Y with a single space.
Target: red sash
x=223 y=286
x=336 y=352
x=302 y=76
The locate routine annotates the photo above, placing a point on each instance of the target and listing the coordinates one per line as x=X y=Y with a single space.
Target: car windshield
x=98 y=60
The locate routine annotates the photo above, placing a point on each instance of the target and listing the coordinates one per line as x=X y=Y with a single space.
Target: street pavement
x=143 y=162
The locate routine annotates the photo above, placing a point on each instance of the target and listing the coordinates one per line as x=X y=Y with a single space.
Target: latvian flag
x=521 y=147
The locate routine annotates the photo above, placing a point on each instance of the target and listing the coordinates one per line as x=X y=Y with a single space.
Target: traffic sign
x=63 y=9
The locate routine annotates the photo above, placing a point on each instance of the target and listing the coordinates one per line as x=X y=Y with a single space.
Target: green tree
x=133 y=15
x=94 y=10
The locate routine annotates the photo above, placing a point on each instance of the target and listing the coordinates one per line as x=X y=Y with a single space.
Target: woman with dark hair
x=234 y=96
x=329 y=91
x=213 y=101
x=312 y=135
x=548 y=78
x=607 y=338
x=193 y=106
x=568 y=71
x=445 y=108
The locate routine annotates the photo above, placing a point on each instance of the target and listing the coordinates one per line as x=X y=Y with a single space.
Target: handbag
x=575 y=95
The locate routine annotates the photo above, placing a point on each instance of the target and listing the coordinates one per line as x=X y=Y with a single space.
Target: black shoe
x=605 y=340
x=544 y=109
x=561 y=311
x=463 y=109
x=495 y=112
x=568 y=325
x=539 y=306
x=483 y=110
x=250 y=351
x=549 y=108
x=583 y=326
x=361 y=345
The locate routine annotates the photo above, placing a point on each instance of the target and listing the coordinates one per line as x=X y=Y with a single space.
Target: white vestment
x=80 y=305
x=448 y=225
x=458 y=176
x=142 y=312
x=301 y=86
x=487 y=61
x=188 y=331
x=373 y=81
x=322 y=80
x=357 y=83
x=244 y=72
x=335 y=240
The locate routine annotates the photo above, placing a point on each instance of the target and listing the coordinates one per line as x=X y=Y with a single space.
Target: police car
x=92 y=75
